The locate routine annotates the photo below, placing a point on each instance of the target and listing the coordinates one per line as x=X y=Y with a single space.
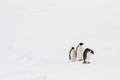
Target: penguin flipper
x=69 y=57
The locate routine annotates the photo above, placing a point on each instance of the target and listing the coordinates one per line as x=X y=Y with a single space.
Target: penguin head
x=73 y=48
x=81 y=44
x=92 y=52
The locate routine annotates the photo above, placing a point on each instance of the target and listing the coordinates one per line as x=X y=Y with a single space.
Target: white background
x=36 y=36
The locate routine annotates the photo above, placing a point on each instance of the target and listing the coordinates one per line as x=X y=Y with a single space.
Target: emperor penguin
x=72 y=54
x=79 y=50
x=86 y=55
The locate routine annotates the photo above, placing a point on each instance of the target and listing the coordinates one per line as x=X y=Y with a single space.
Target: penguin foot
x=88 y=62
x=84 y=63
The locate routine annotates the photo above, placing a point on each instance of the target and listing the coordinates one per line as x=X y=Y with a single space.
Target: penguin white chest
x=80 y=53
x=73 y=55
x=88 y=57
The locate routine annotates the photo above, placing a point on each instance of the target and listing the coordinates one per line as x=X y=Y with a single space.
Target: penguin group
x=78 y=54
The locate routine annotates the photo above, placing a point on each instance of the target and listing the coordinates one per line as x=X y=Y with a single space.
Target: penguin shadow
x=86 y=62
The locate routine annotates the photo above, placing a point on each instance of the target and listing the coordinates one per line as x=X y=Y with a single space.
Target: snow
x=36 y=36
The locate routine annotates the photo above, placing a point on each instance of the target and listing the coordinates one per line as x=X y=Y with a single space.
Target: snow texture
x=36 y=36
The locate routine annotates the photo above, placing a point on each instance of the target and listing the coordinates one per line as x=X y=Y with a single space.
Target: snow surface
x=36 y=36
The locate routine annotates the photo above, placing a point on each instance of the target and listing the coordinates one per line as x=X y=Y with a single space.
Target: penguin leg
x=84 y=62
x=84 y=58
x=69 y=57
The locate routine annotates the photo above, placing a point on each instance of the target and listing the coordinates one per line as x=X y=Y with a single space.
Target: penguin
x=72 y=54
x=79 y=50
x=86 y=55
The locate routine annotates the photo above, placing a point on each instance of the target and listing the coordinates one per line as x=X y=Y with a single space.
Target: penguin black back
x=70 y=53
x=85 y=53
